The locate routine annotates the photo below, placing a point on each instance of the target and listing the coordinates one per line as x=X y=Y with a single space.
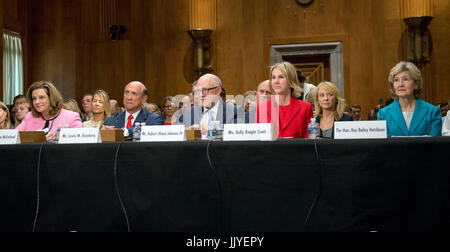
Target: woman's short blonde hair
x=105 y=98
x=7 y=122
x=56 y=100
x=340 y=102
x=413 y=71
x=72 y=105
x=290 y=73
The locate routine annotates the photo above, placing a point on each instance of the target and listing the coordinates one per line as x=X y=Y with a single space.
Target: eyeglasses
x=169 y=107
x=204 y=90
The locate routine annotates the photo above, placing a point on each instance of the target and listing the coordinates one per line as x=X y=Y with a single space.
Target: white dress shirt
x=127 y=114
x=205 y=117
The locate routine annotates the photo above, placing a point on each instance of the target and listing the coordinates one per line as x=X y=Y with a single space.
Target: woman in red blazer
x=290 y=115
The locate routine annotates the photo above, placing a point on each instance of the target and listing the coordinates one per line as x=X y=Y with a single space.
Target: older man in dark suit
x=212 y=108
x=135 y=95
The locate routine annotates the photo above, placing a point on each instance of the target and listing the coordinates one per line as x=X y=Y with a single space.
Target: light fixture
x=417 y=14
x=202 y=23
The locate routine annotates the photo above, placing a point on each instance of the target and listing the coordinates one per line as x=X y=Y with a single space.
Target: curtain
x=12 y=66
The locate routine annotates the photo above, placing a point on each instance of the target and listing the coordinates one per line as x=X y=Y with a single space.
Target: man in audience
x=86 y=103
x=211 y=106
x=263 y=92
x=135 y=95
x=356 y=112
x=115 y=107
x=444 y=109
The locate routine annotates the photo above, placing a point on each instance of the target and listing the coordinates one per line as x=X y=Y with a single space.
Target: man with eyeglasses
x=211 y=107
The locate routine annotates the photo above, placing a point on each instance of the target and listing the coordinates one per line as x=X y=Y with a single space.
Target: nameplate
x=79 y=136
x=9 y=137
x=360 y=130
x=170 y=133
x=249 y=132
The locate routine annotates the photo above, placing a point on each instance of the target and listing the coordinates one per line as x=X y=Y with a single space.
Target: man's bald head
x=264 y=92
x=135 y=95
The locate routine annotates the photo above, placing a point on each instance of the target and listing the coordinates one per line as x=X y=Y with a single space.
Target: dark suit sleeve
x=154 y=119
x=109 y=121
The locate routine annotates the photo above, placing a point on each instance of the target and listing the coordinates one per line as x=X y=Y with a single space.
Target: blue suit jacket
x=426 y=120
x=118 y=120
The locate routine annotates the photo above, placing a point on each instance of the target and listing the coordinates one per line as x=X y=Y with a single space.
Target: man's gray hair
x=213 y=77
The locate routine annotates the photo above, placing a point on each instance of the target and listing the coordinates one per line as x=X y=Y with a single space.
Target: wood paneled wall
x=70 y=47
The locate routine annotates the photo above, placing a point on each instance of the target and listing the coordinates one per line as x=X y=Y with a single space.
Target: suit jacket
x=226 y=114
x=65 y=118
x=300 y=115
x=118 y=120
x=345 y=118
x=426 y=120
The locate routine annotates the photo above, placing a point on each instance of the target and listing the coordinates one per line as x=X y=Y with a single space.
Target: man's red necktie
x=130 y=124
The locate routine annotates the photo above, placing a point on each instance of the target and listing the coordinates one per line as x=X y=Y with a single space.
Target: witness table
x=398 y=184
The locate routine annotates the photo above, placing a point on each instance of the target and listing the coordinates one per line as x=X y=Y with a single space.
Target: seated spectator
x=5 y=119
x=46 y=111
x=356 y=112
x=211 y=106
x=100 y=110
x=22 y=109
x=291 y=115
x=86 y=104
x=311 y=97
x=330 y=107
x=135 y=95
x=17 y=100
x=153 y=108
x=408 y=115
x=373 y=114
x=168 y=111
x=250 y=100
x=72 y=105
x=263 y=92
x=114 y=106
x=444 y=108
x=305 y=87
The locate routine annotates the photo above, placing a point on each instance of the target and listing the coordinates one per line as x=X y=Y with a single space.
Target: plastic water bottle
x=137 y=132
x=219 y=131
x=212 y=131
x=215 y=131
x=313 y=129
x=58 y=131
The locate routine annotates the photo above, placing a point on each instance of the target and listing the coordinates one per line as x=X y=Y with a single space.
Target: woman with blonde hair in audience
x=72 y=105
x=284 y=110
x=5 y=119
x=100 y=110
x=22 y=109
x=46 y=111
x=408 y=115
x=330 y=108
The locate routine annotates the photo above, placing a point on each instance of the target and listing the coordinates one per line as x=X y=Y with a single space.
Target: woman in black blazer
x=330 y=107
